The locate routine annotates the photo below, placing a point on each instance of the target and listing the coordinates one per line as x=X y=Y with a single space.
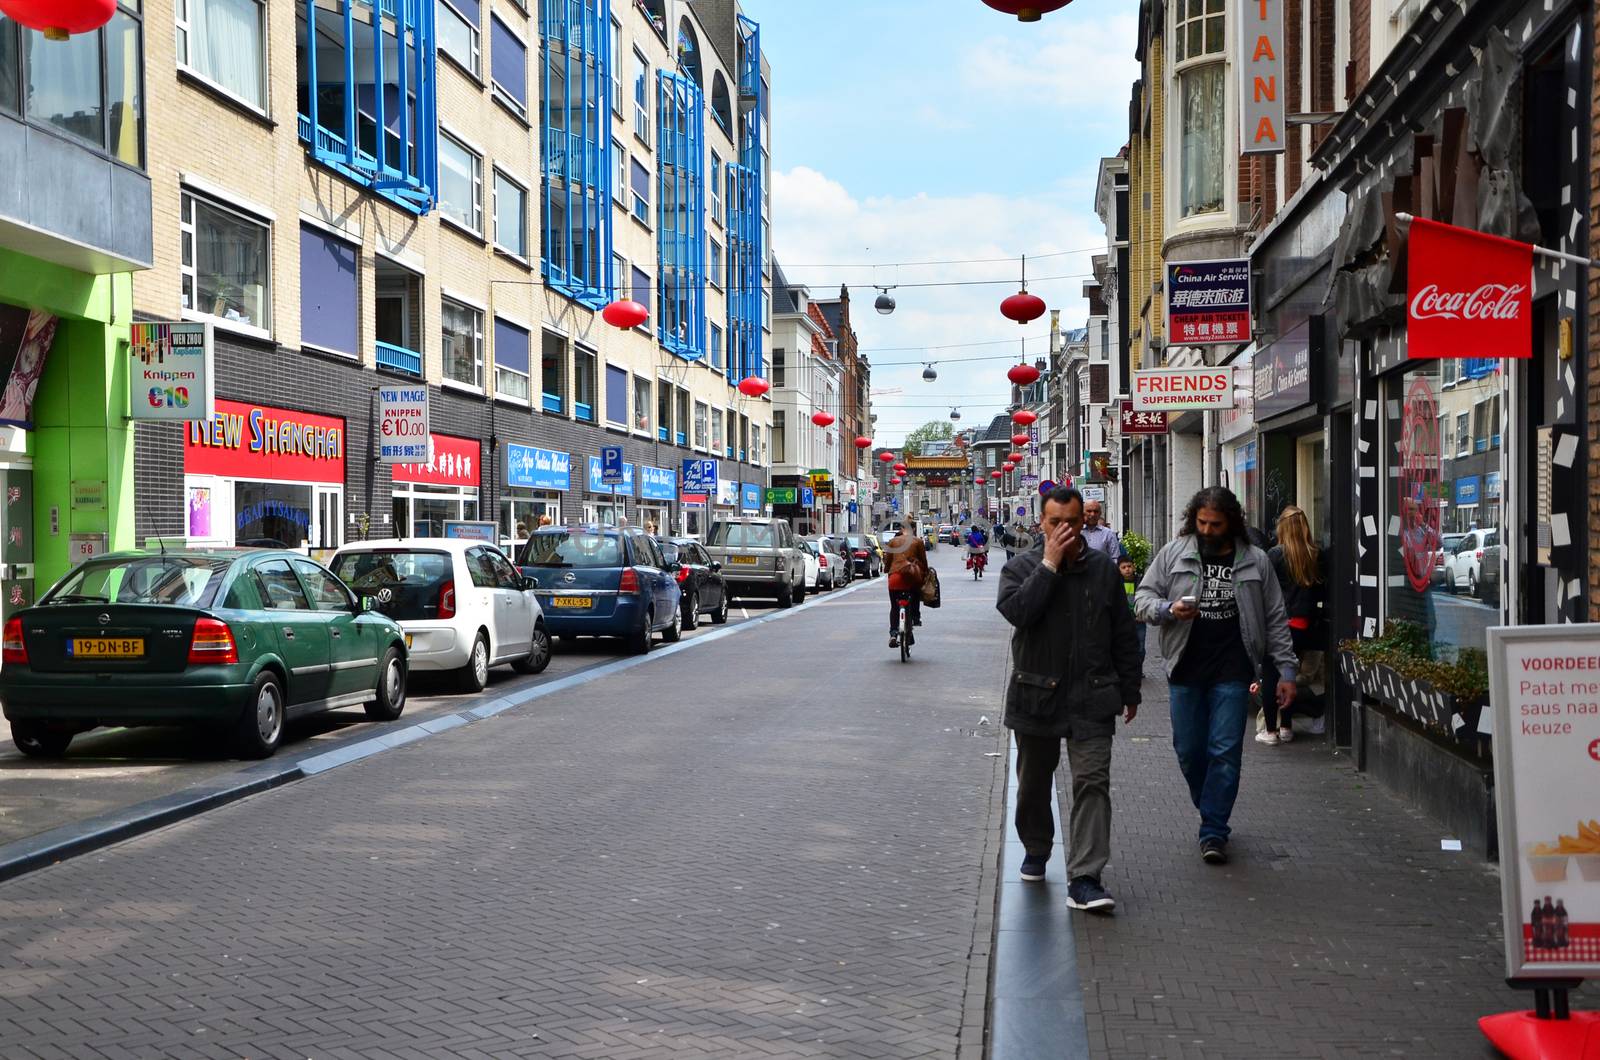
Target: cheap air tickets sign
x=1181 y=389
x=1467 y=294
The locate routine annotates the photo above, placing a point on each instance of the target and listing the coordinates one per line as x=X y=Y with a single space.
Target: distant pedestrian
x=1298 y=564
x=1220 y=610
x=1130 y=587
x=545 y=520
x=1096 y=534
x=1075 y=668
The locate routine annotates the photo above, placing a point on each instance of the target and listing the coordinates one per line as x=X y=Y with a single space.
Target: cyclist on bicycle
x=977 y=550
x=908 y=566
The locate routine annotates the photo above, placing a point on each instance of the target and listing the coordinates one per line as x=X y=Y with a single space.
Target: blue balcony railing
x=399 y=359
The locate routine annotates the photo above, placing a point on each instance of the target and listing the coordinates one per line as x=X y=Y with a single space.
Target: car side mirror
x=716 y=566
x=529 y=579
x=366 y=603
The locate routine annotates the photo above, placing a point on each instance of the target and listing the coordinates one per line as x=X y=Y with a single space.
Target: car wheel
x=36 y=739
x=800 y=592
x=259 y=729
x=391 y=699
x=1472 y=584
x=720 y=615
x=691 y=611
x=538 y=656
x=674 y=633
x=786 y=595
x=474 y=677
x=642 y=641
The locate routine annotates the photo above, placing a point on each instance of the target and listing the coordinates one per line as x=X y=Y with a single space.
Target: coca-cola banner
x=1468 y=294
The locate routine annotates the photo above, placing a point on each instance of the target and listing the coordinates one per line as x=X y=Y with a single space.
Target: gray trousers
x=1089 y=828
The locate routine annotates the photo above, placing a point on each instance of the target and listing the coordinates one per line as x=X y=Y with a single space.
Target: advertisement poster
x=402 y=424
x=199 y=511
x=26 y=336
x=171 y=375
x=530 y=467
x=1467 y=294
x=1208 y=302
x=1544 y=686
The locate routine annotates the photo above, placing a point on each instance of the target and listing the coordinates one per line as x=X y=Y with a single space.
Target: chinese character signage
x=1261 y=85
x=402 y=424
x=1179 y=389
x=448 y=461
x=1208 y=302
x=1467 y=294
x=782 y=496
x=1142 y=422
x=171 y=375
x=530 y=467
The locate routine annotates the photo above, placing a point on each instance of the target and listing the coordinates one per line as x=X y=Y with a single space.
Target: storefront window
x=1444 y=545
x=521 y=510
x=271 y=514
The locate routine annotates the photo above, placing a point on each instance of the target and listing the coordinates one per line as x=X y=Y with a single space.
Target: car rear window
x=669 y=551
x=565 y=549
x=177 y=581
x=744 y=535
x=405 y=583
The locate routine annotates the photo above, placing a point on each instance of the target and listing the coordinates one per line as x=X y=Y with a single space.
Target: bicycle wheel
x=905 y=632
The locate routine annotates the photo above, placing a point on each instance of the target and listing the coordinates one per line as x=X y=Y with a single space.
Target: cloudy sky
x=904 y=138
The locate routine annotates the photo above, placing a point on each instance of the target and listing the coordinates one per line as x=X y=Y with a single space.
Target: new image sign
x=1181 y=389
x=170 y=374
x=1208 y=302
x=403 y=424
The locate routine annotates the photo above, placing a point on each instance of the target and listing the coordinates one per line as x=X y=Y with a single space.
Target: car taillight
x=822 y=562
x=213 y=644
x=861 y=553
x=1480 y=553
x=14 y=650
x=683 y=574
x=447 y=600
x=630 y=581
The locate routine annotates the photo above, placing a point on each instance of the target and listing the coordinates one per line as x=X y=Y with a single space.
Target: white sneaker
x=1285 y=735
x=1319 y=726
x=1268 y=737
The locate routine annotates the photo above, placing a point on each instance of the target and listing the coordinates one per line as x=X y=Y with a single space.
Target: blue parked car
x=603 y=581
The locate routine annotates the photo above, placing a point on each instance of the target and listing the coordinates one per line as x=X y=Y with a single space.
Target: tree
x=930 y=432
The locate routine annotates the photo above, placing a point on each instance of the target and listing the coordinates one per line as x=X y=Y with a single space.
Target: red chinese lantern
x=1015 y=458
x=961 y=441
x=1023 y=374
x=1008 y=466
x=995 y=473
x=1024 y=417
x=754 y=386
x=1023 y=307
x=1020 y=438
x=57 y=19
x=863 y=442
x=901 y=468
x=822 y=419
x=886 y=457
x=1027 y=10
x=897 y=480
x=625 y=313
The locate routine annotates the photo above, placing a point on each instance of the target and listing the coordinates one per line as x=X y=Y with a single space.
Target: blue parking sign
x=611 y=465
x=700 y=476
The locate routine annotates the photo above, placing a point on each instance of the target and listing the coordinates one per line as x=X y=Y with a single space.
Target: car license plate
x=746 y=561
x=572 y=601
x=106 y=647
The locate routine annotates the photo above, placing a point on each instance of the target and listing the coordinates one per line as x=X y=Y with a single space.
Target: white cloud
x=1085 y=64
x=820 y=227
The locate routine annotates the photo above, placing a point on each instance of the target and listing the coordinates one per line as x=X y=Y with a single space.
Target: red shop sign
x=452 y=462
x=1467 y=294
x=1142 y=422
x=261 y=442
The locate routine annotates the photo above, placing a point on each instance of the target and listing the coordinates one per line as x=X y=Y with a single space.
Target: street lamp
x=955 y=414
x=928 y=374
x=885 y=303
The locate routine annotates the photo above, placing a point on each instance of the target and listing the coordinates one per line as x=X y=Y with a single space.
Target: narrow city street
x=774 y=843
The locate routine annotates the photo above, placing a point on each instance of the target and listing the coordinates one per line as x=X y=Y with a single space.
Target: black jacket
x=1300 y=601
x=1074 y=655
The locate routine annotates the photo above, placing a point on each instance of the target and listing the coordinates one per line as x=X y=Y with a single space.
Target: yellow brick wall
x=1145 y=167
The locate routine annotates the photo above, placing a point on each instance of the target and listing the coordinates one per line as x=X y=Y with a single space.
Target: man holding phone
x=1220 y=612
x=1075 y=668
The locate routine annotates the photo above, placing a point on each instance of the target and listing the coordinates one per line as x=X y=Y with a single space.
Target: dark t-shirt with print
x=1215 y=652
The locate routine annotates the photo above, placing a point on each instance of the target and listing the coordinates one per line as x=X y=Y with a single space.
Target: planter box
x=1439 y=712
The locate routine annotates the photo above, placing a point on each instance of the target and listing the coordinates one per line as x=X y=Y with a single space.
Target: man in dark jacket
x=1075 y=667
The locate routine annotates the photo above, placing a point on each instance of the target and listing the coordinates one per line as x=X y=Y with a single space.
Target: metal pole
x=1559 y=255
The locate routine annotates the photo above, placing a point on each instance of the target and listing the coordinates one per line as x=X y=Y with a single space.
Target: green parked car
x=240 y=640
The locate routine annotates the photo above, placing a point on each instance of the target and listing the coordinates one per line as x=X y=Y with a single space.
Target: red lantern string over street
x=1023 y=374
x=1027 y=10
x=996 y=473
x=625 y=314
x=822 y=419
x=900 y=468
x=887 y=458
x=1024 y=417
x=1008 y=466
x=897 y=480
x=1021 y=438
x=1015 y=458
x=57 y=19
x=863 y=442
x=1023 y=307
x=754 y=386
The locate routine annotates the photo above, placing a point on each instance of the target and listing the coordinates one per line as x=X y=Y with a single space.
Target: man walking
x=1217 y=603
x=1097 y=535
x=1075 y=667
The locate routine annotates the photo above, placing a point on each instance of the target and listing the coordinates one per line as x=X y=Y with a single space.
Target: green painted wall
x=81 y=431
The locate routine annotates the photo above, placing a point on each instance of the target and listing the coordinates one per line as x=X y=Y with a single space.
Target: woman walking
x=1299 y=565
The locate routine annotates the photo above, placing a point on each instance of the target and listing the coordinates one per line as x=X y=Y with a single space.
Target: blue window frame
x=380 y=127
x=579 y=170
x=681 y=218
x=746 y=296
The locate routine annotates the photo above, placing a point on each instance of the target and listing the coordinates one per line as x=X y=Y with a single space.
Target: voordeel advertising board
x=1544 y=686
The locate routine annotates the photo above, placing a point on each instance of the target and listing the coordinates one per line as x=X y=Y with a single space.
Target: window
x=553 y=353
x=680 y=436
x=641 y=290
x=663 y=410
x=616 y=68
x=779 y=438
x=619 y=276
x=715 y=271
x=510 y=360
x=327 y=592
x=732 y=438
x=639 y=181
x=225 y=264
x=328 y=291
x=64 y=88
x=1463 y=433
x=10 y=65
x=280 y=588
x=777 y=368
x=716 y=430
x=755 y=443
x=510 y=215
x=641 y=97
x=700 y=425
x=716 y=347
x=457 y=33
x=460 y=184
x=124 y=76
x=508 y=66
x=1198 y=47
x=642 y=394
x=583 y=384
x=715 y=180
x=461 y=328
x=224 y=42
x=619 y=183
x=616 y=395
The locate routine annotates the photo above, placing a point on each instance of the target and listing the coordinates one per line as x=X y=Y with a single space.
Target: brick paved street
x=770 y=844
x=1338 y=929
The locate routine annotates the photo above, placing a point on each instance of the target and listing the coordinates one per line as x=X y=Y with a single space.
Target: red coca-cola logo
x=1418 y=485
x=1491 y=301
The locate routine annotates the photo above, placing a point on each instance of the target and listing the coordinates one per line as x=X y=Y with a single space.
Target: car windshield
x=669 y=551
x=564 y=548
x=177 y=581
x=744 y=535
x=405 y=584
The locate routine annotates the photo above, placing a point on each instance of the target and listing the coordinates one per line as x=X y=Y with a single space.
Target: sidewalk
x=1338 y=929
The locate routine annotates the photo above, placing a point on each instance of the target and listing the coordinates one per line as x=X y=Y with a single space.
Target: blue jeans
x=1208 y=723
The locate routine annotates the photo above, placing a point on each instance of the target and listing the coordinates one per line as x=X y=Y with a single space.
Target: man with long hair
x=1217 y=603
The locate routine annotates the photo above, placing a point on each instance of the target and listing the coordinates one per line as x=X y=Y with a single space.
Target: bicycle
x=902 y=600
x=977 y=561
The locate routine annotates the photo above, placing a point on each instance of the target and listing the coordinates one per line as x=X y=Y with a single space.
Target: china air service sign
x=1208 y=302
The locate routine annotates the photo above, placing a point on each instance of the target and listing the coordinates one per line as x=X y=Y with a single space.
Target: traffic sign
x=611 y=465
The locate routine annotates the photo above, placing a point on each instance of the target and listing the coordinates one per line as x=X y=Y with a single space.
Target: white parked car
x=832 y=568
x=1463 y=567
x=463 y=605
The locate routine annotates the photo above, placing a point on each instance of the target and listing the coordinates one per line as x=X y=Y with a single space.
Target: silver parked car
x=759 y=557
x=832 y=569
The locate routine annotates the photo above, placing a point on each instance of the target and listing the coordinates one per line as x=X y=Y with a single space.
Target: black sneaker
x=1214 y=851
x=1085 y=892
x=894 y=639
x=1033 y=866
